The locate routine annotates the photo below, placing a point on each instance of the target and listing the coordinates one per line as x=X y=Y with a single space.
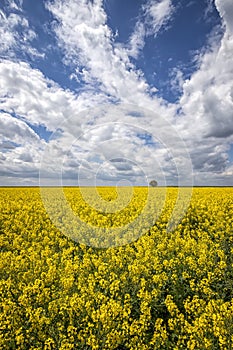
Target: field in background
x=166 y=290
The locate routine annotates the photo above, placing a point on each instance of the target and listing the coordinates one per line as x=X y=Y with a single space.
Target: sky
x=116 y=92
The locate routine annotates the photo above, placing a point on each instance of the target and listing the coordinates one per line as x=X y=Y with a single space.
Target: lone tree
x=153 y=183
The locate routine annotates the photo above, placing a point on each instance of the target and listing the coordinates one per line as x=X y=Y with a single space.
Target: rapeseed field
x=146 y=288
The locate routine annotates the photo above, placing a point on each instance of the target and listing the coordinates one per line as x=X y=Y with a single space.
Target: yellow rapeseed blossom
x=165 y=290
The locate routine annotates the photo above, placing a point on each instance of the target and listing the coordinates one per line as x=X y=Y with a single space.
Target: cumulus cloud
x=208 y=94
x=225 y=9
x=86 y=39
x=20 y=148
x=15 y=33
x=136 y=40
x=29 y=94
x=28 y=99
x=206 y=120
x=15 y=130
x=115 y=135
x=125 y=141
x=155 y=16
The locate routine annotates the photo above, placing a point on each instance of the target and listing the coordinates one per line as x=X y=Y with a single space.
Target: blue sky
x=84 y=82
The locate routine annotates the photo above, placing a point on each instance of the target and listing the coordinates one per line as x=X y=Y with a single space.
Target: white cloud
x=15 y=130
x=33 y=97
x=136 y=40
x=157 y=14
x=229 y=172
x=90 y=48
x=87 y=41
x=20 y=147
x=206 y=122
x=16 y=34
x=176 y=79
x=117 y=133
x=16 y=5
x=225 y=9
x=207 y=98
